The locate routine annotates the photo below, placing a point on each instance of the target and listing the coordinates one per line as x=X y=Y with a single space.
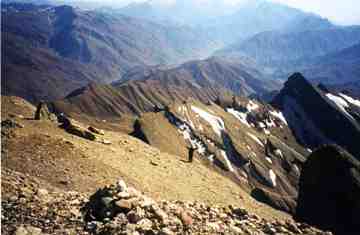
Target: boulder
x=42 y=113
x=96 y=130
x=73 y=127
x=329 y=193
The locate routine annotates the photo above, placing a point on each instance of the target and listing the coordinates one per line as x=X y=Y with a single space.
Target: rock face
x=329 y=194
x=317 y=117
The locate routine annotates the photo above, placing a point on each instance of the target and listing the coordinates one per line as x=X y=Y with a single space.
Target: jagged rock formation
x=319 y=118
x=329 y=194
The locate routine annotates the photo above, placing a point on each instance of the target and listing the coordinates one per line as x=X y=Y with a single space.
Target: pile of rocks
x=118 y=209
x=28 y=208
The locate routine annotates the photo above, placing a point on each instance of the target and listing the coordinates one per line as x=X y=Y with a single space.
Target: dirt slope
x=43 y=151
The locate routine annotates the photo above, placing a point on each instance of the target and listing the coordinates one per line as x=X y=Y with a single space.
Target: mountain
x=318 y=117
x=351 y=88
x=132 y=98
x=168 y=105
x=121 y=185
x=284 y=50
x=83 y=46
x=183 y=12
x=341 y=67
x=145 y=89
x=240 y=76
x=260 y=16
x=225 y=22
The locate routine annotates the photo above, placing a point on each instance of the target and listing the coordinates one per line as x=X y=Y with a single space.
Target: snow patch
x=296 y=169
x=278 y=153
x=256 y=139
x=272 y=176
x=340 y=102
x=228 y=163
x=242 y=117
x=252 y=106
x=261 y=125
x=216 y=123
x=280 y=116
x=350 y=100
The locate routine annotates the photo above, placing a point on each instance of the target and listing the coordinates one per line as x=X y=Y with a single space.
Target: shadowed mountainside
x=66 y=47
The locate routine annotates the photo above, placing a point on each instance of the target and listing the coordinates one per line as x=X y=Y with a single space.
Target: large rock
x=73 y=127
x=329 y=195
x=42 y=113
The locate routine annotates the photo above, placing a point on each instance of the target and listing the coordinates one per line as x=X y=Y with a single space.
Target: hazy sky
x=338 y=11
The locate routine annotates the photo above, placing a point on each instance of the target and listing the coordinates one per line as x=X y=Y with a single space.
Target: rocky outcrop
x=329 y=195
x=42 y=112
x=317 y=117
x=75 y=128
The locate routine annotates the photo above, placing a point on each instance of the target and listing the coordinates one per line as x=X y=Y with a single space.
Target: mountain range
x=218 y=103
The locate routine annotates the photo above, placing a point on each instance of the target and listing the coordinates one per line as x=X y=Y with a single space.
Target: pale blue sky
x=338 y=11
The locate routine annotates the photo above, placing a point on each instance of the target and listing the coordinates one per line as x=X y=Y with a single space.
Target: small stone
x=186 y=219
x=160 y=214
x=123 y=205
x=42 y=193
x=28 y=230
x=268 y=229
x=21 y=231
x=154 y=163
x=136 y=215
x=147 y=202
x=133 y=192
x=293 y=228
x=240 y=212
x=166 y=231
x=236 y=230
x=145 y=224
x=91 y=226
x=213 y=227
x=121 y=186
x=106 y=142
x=123 y=195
